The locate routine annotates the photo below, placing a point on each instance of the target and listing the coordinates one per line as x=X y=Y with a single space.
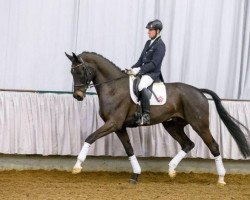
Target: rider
x=149 y=66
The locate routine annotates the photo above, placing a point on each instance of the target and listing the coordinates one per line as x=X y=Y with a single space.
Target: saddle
x=158 y=90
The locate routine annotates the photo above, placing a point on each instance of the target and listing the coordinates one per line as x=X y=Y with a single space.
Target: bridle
x=88 y=73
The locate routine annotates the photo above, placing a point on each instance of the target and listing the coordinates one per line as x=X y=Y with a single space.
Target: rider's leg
x=144 y=97
x=145 y=105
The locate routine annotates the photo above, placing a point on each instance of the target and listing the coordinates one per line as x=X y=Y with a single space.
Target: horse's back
x=184 y=90
x=186 y=97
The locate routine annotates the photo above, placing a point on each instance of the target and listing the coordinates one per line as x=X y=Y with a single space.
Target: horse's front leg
x=109 y=127
x=124 y=138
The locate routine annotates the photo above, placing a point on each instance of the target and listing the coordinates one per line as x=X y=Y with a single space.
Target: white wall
x=207 y=40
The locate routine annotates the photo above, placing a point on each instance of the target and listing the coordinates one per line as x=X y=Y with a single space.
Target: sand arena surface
x=106 y=185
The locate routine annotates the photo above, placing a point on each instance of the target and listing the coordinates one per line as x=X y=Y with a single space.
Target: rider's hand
x=136 y=70
x=132 y=71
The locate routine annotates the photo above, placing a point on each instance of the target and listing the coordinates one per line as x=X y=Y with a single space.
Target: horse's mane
x=96 y=54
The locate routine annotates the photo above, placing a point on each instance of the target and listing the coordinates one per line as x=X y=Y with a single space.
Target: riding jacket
x=151 y=59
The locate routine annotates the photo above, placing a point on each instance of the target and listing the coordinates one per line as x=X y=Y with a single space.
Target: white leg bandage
x=176 y=160
x=80 y=158
x=219 y=166
x=82 y=155
x=135 y=165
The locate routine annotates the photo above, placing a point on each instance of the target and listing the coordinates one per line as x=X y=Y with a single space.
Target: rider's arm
x=139 y=62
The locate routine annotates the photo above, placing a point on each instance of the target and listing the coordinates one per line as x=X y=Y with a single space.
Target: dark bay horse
x=185 y=105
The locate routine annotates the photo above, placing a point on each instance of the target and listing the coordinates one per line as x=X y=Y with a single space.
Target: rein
x=97 y=84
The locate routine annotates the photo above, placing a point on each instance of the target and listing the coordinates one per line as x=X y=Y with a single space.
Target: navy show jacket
x=151 y=59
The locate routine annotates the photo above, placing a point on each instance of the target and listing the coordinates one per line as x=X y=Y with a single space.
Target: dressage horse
x=185 y=105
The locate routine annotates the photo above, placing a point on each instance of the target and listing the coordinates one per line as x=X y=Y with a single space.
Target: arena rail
x=88 y=93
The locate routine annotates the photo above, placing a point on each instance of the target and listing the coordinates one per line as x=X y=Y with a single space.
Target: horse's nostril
x=78 y=95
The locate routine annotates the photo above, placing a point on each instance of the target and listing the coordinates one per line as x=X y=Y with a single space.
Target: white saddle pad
x=158 y=88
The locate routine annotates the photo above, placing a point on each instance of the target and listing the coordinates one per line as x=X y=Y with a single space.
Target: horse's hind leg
x=175 y=128
x=202 y=128
x=124 y=138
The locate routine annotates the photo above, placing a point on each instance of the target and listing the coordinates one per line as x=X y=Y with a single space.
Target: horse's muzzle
x=79 y=95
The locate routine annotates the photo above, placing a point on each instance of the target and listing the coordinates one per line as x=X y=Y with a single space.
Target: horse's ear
x=71 y=58
x=75 y=57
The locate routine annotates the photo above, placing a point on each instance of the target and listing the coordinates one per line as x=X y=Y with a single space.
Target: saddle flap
x=135 y=83
x=159 y=96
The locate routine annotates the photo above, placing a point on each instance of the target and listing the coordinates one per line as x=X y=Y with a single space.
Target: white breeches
x=145 y=82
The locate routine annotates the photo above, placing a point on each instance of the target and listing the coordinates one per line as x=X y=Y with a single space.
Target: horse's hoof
x=134 y=178
x=172 y=175
x=133 y=182
x=76 y=170
x=221 y=183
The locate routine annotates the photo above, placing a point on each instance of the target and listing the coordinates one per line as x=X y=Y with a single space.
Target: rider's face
x=152 y=33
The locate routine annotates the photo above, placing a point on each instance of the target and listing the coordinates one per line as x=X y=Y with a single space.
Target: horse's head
x=82 y=76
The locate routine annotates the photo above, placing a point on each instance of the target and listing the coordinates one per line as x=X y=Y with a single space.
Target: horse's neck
x=105 y=72
x=104 y=69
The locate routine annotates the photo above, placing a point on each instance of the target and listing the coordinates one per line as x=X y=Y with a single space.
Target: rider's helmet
x=155 y=24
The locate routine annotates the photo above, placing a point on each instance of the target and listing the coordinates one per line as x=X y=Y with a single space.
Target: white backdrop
x=207 y=40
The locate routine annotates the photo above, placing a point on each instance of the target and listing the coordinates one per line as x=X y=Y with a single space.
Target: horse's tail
x=232 y=124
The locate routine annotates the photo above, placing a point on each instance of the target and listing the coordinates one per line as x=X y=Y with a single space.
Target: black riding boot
x=145 y=105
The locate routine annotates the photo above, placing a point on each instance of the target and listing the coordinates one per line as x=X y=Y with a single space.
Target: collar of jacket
x=149 y=41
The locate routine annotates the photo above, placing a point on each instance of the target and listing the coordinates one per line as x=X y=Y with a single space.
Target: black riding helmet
x=155 y=24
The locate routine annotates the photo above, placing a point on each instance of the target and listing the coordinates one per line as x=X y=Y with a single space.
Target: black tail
x=232 y=124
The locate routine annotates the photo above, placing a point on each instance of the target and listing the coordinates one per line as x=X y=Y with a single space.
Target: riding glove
x=135 y=70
